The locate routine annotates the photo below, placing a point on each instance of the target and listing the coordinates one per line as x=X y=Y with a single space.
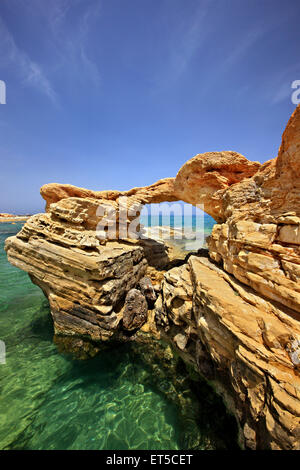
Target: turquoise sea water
x=190 y=230
x=128 y=397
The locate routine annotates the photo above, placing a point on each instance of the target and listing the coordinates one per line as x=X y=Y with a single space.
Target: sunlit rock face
x=203 y=179
x=259 y=243
x=233 y=314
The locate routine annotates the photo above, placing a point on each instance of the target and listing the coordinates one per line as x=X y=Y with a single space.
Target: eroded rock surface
x=233 y=314
x=148 y=291
x=203 y=179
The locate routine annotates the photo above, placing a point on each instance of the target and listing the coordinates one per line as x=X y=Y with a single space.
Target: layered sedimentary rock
x=233 y=314
x=242 y=343
x=135 y=310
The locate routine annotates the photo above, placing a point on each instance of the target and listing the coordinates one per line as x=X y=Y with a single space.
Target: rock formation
x=232 y=313
x=135 y=310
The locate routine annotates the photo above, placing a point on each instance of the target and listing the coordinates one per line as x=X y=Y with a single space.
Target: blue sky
x=111 y=94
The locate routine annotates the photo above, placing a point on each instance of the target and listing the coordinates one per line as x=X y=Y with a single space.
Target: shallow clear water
x=125 y=398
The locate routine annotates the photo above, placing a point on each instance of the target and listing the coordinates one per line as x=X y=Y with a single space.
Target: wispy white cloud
x=68 y=27
x=91 y=67
x=90 y=17
x=31 y=72
x=234 y=58
x=279 y=88
x=243 y=44
x=192 y=39
x=36 y=78
x=193 y=36
x=57 y=13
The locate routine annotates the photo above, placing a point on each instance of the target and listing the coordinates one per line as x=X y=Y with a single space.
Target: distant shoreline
x=14 y=218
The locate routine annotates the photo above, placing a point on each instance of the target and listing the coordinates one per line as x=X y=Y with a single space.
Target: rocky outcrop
x=148 y=291
x=232 y=313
